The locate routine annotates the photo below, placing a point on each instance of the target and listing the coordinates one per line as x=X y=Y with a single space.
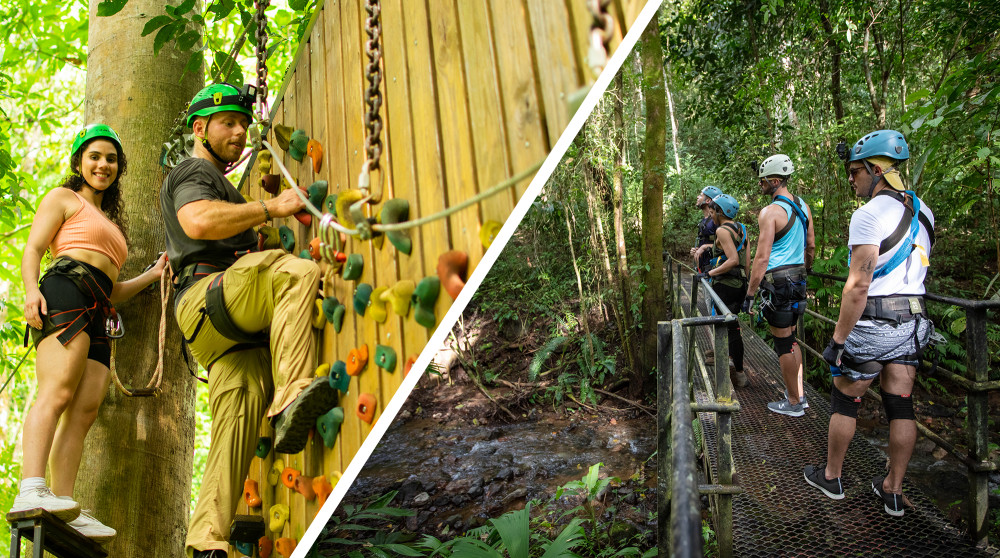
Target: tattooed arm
x=859 y=278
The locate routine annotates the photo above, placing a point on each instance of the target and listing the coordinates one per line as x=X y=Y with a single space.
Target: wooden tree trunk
x=835 y=54
x=618 y=200
x=136 y=470
x=653 y=172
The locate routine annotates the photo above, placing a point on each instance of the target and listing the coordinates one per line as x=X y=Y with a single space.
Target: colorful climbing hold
x=250 y=493
x=357 y=359
x=304 y=486
x=362 y=296
x=385 y=358
x=282 y=135
x=317 y=192
x=339 y=378
x=322 y=488
x=328 y=425
x=263 y=447
x=265 y=547
x=298 y=144
x=377 y=308
x=268 y=238
x=338 y=317
x=330 y=204
x=452 y=267
x=285 y=546
x=288 y=476
x=245 y=548
x=488 y=232
x=274 y=475
x=318 y=318
x=424 y=298
x=304 y=217
x=264 y=162
x=314 y=252
x=304 y=254
x=270 y=183
x=354 y=267
x=323 y=370
x=394 y=211
x=344 y=201
x=399 y=296
x=278 y=514
x=287 y=238
x=409 y=364
x=366 y=407
x=315 y=152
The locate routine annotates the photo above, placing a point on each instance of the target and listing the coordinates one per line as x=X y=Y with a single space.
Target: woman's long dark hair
x=111 y=203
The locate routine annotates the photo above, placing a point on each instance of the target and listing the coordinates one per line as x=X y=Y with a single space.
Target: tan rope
x=153 y=387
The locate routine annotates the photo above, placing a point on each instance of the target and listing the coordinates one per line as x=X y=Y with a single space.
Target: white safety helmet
x=776 y=165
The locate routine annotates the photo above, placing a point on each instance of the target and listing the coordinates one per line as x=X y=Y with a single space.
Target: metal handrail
x=977 y=461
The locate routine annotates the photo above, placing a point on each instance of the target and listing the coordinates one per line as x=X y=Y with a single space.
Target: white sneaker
x=43 y=498
x=88 y=526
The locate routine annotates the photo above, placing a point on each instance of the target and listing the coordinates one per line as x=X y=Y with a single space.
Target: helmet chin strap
x=875 y=178
x=771 y=188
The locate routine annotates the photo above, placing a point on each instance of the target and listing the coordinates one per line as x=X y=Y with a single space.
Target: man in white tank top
x=883 y=324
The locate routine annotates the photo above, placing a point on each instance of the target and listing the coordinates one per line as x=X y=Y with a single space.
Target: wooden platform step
x=49 y=534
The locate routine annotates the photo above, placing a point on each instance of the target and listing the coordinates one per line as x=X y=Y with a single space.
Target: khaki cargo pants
x=263 y=289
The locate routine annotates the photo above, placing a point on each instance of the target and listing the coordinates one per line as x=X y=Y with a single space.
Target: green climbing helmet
x=94 y=131
x=222 y=97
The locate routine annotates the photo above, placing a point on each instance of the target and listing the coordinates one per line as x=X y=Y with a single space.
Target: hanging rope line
x=153 y=386
x=373 y=99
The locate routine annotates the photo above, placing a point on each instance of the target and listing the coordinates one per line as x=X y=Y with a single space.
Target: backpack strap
x=797 y=213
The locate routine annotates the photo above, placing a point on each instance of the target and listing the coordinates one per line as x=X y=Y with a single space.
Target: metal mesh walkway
x=779 y=514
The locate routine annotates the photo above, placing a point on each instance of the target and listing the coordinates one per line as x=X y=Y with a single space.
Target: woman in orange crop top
x=81 y=223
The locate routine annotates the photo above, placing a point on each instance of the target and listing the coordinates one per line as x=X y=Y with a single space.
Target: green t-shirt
x=193 y=180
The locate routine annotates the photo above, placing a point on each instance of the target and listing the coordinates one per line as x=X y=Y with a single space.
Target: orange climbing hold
x=366 y=407
x=250 y=494
x=314 y=249
x=357 y=359
x=409 y=364
x=451 y=269
x=265 y=547
x=285 y=546
x=304 y=486
x=288 y=477
x=322 y=488
x=315 y=152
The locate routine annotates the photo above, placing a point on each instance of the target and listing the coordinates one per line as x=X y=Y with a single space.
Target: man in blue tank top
x=883 y=325
x=784 y=252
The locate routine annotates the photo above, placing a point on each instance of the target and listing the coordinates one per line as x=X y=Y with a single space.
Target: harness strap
x=736 y=233
x=903 y=253
x=904 y=222
x=76 y=320
x=215 y=309
x=797 y=213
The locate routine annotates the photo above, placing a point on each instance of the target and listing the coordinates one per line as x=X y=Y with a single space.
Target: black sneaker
x=816 y=476
x=893 y=502
x=293 y=424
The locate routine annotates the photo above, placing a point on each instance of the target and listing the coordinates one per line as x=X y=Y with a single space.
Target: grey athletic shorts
x=874 y=343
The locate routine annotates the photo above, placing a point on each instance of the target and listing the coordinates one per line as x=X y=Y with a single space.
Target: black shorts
x=783 y=295
x=63 y=297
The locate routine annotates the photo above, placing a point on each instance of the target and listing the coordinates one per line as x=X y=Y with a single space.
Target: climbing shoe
x=805 y=404
x=816 y=476
x=88 y=526
x=783 y=407
x=893 y=502
x=43 y=498
x=293 y=424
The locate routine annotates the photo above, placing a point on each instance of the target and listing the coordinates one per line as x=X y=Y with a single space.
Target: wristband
x=267 y=214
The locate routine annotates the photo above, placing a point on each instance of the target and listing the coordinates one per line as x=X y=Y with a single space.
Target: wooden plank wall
x=475 y=91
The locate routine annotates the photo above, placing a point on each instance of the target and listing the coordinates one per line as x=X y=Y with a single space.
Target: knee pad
x=784 y=345
x=898 y=406
x=843 y=404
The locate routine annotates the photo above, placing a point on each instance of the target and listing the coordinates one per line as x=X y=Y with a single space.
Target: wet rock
x=504 y=474
x=924 y=446
x=421 y=500
x=494 y=434
x=514 y=496
x=938 y=410
x=455 y=521
x=476 y=491
x=410 y=488
x=412 y=523
x=460 y=486
x=940 y=453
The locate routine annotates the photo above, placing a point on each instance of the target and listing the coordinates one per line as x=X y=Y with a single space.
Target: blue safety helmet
x=882 y=143
x=728 y=204
x=711 y=191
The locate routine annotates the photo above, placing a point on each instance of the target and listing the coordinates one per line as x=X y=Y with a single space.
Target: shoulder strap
x=905 y=221
x=737 y=233
x=797 y=213
x=903 y=253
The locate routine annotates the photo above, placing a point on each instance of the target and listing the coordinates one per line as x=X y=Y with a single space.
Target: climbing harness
x=911 y=222
x=73 y=321
x=797 y=214
x=720 y=256
x=373 y=100
x=602 y=30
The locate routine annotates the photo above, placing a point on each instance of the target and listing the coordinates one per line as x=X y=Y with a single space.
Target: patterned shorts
x=874 y=343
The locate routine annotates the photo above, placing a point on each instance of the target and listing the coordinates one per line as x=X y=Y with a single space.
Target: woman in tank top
x=81 y=223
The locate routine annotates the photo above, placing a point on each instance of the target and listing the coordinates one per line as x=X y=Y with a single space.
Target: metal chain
x=602 y=30
x=178 y=147
x=261 y=51
x=373 y=96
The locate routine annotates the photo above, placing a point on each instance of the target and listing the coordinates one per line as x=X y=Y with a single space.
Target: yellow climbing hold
x=399 y=296
x=318 y=319
x=274 y=475
x=488 y=232
x=323 y=370
x=377 y=308
x=282 y=134
x=344 y=202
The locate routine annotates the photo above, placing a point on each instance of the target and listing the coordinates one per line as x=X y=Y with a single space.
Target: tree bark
x=878 y=108
x=136 y=471
x=653 y=172
x=674 y=134
x=624 y=279
x=835 y=54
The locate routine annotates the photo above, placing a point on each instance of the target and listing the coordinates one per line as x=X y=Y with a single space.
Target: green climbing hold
x=263 y=447
x=394 y=211
x=246 y=548
x=385 y=358
x=317 y=192
x=354 y=267
x=362 y=296
x=330 y=304
x=298 y=144
x=330 y=204
x=424 y=298
x=338 y=317
x=305 y=255
x=287 y=238
x=339 y=378
x=328 y=425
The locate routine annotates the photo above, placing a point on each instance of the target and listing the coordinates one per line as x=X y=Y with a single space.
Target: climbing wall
x=474 y=92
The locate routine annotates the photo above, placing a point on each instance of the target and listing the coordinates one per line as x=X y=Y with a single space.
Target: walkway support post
x=685 y=511
x=978 y=401
x=663 y=449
